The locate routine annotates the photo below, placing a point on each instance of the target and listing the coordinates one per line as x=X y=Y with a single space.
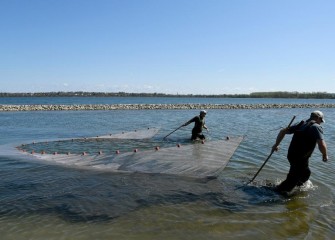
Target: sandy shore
x=80 y=107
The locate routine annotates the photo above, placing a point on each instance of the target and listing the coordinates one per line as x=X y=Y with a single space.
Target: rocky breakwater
x=81 y=107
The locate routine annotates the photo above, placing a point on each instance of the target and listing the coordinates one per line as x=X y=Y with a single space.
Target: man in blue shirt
x=306 y=135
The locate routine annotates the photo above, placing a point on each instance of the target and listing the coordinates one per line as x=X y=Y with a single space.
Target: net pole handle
x=267 y=159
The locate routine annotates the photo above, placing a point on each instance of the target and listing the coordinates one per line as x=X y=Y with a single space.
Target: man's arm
x=188 y=122
x=279 y=138
x=323 y=149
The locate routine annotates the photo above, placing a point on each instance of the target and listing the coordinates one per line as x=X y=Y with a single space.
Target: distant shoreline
x=294 y=95
x=105 y=107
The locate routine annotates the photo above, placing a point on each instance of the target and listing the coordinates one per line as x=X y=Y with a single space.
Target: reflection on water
x=41 y=201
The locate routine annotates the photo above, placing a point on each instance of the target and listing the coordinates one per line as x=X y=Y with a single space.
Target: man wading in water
x=199 y=124
x=306 y=135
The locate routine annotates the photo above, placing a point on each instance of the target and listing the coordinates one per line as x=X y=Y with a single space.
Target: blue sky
x=167 y=46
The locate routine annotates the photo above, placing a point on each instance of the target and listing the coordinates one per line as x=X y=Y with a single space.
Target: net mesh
x=136 y=152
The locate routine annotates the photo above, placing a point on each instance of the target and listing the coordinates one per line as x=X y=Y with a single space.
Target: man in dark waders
x=306 y=135
x=199 y=124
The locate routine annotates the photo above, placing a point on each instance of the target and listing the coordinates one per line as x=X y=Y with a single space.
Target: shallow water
x=43 y=201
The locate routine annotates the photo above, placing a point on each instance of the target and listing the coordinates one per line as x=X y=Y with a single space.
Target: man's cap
x=318 y=114
x=203 y=111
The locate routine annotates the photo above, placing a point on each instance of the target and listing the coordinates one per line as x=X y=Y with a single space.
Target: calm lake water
x=46 y=201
